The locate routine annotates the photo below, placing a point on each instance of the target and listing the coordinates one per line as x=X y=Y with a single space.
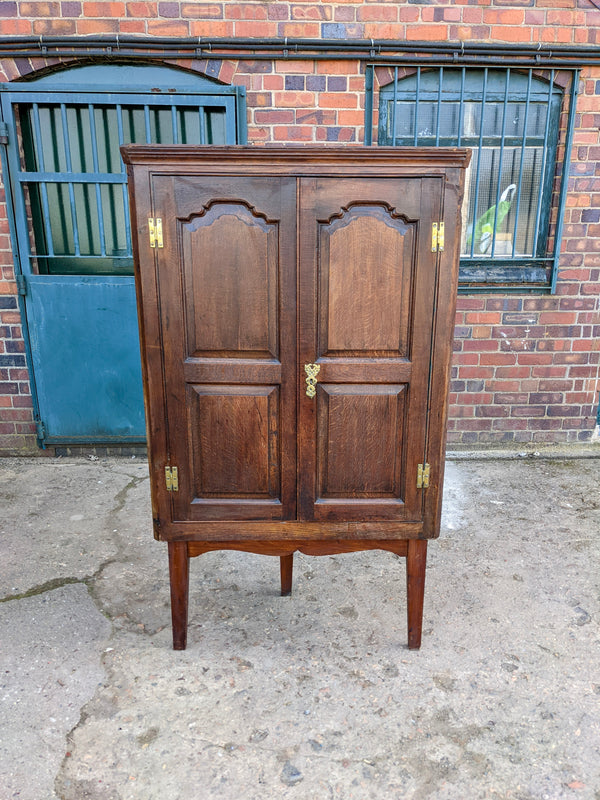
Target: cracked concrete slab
x=57 y=519
x=316 y=695
x=50 y=666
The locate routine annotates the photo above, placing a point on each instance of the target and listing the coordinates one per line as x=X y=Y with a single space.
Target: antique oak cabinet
x=296 y=311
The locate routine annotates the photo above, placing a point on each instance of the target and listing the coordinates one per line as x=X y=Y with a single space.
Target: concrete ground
x=312 y=696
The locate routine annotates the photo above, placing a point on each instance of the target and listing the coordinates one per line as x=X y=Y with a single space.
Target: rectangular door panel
x=233 y=430
x=365 y=258
x=359 y=440
x=367 y=287
x=231 y=296
x=227 y=285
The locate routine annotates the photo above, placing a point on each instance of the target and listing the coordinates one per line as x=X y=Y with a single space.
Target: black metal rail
x=369 y=50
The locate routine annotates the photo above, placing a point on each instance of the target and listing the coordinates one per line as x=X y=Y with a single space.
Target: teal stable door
x=72 y=236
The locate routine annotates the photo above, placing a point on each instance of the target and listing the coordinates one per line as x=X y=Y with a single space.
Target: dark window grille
x=72 y=196
x=511 y=118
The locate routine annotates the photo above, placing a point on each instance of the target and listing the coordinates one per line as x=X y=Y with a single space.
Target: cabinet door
x=366 y=308
x=227 y=283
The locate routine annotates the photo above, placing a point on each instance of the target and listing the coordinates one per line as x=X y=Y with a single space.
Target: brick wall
x=525 y=366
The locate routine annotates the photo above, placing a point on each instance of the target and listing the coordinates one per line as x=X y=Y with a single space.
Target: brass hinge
x=155 y=231
x=437 y=237
x=422 y=476
x=171 y=479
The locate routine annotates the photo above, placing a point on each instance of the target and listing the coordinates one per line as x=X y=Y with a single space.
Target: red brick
x=555 y=385
x=462 y=411
x=513 y=16
x=535 y=358
x=378 y=13
x=64 y=27
x=16 y=415
x=510 y=34
x=338 y=100
x=202 y=10
x=297 y=133
x=509 y=424
x=142 y=10
x=255 y=29
x=528 y=411
x=246 y=10
x=572 y=358
x=503 y=304
x=510 y=398
x=22 y=401
x=474 y=424
x=468 y=359
x=483 y=317
x=544 y=424
x=318 y=116
x=492 y=411
x=585 y=345
x=346 y=117
x=480 y=345
x=578 y=397
x=563 y=411
x=132 y=26
x=273 y=82
x=295 y=100
x=389 y=30
x=99 y=9
x=16 y=27
x=300 y=30
x=518 y=373
x=311 y=12
x=344 y=14
x=39 y=9
x=470 y=303
x=540 y=303
x=498 y=358
x=502 y=386
x=481 y=332
x=271 y=117
x=475 y=372
x=92 y=26
x=200 y=27
x=435 y=33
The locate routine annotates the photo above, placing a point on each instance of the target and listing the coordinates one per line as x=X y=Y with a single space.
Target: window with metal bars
x=512 y=120
x=73 y=182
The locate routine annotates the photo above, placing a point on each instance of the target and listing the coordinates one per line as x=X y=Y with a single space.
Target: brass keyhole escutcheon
x=312 y=370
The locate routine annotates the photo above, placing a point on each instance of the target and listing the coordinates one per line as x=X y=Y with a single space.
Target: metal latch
x=422 y=476
x=171 y=479
x=155 y=231
x=437 y=237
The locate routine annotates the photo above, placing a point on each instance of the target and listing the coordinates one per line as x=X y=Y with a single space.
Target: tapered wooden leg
x=286 y=566
x=179 y=573
x=416 y=559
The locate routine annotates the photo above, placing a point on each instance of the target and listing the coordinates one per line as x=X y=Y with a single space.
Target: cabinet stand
x=414 y=550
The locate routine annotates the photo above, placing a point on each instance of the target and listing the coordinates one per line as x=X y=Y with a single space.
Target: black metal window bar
x=516 y=123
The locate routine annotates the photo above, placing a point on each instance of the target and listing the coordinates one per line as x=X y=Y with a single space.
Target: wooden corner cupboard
x=296 y=310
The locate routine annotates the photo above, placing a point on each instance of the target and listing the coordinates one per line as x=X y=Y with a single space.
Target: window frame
x=534 y=273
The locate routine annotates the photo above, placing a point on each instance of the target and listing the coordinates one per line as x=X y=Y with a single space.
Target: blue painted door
x=72 y=233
